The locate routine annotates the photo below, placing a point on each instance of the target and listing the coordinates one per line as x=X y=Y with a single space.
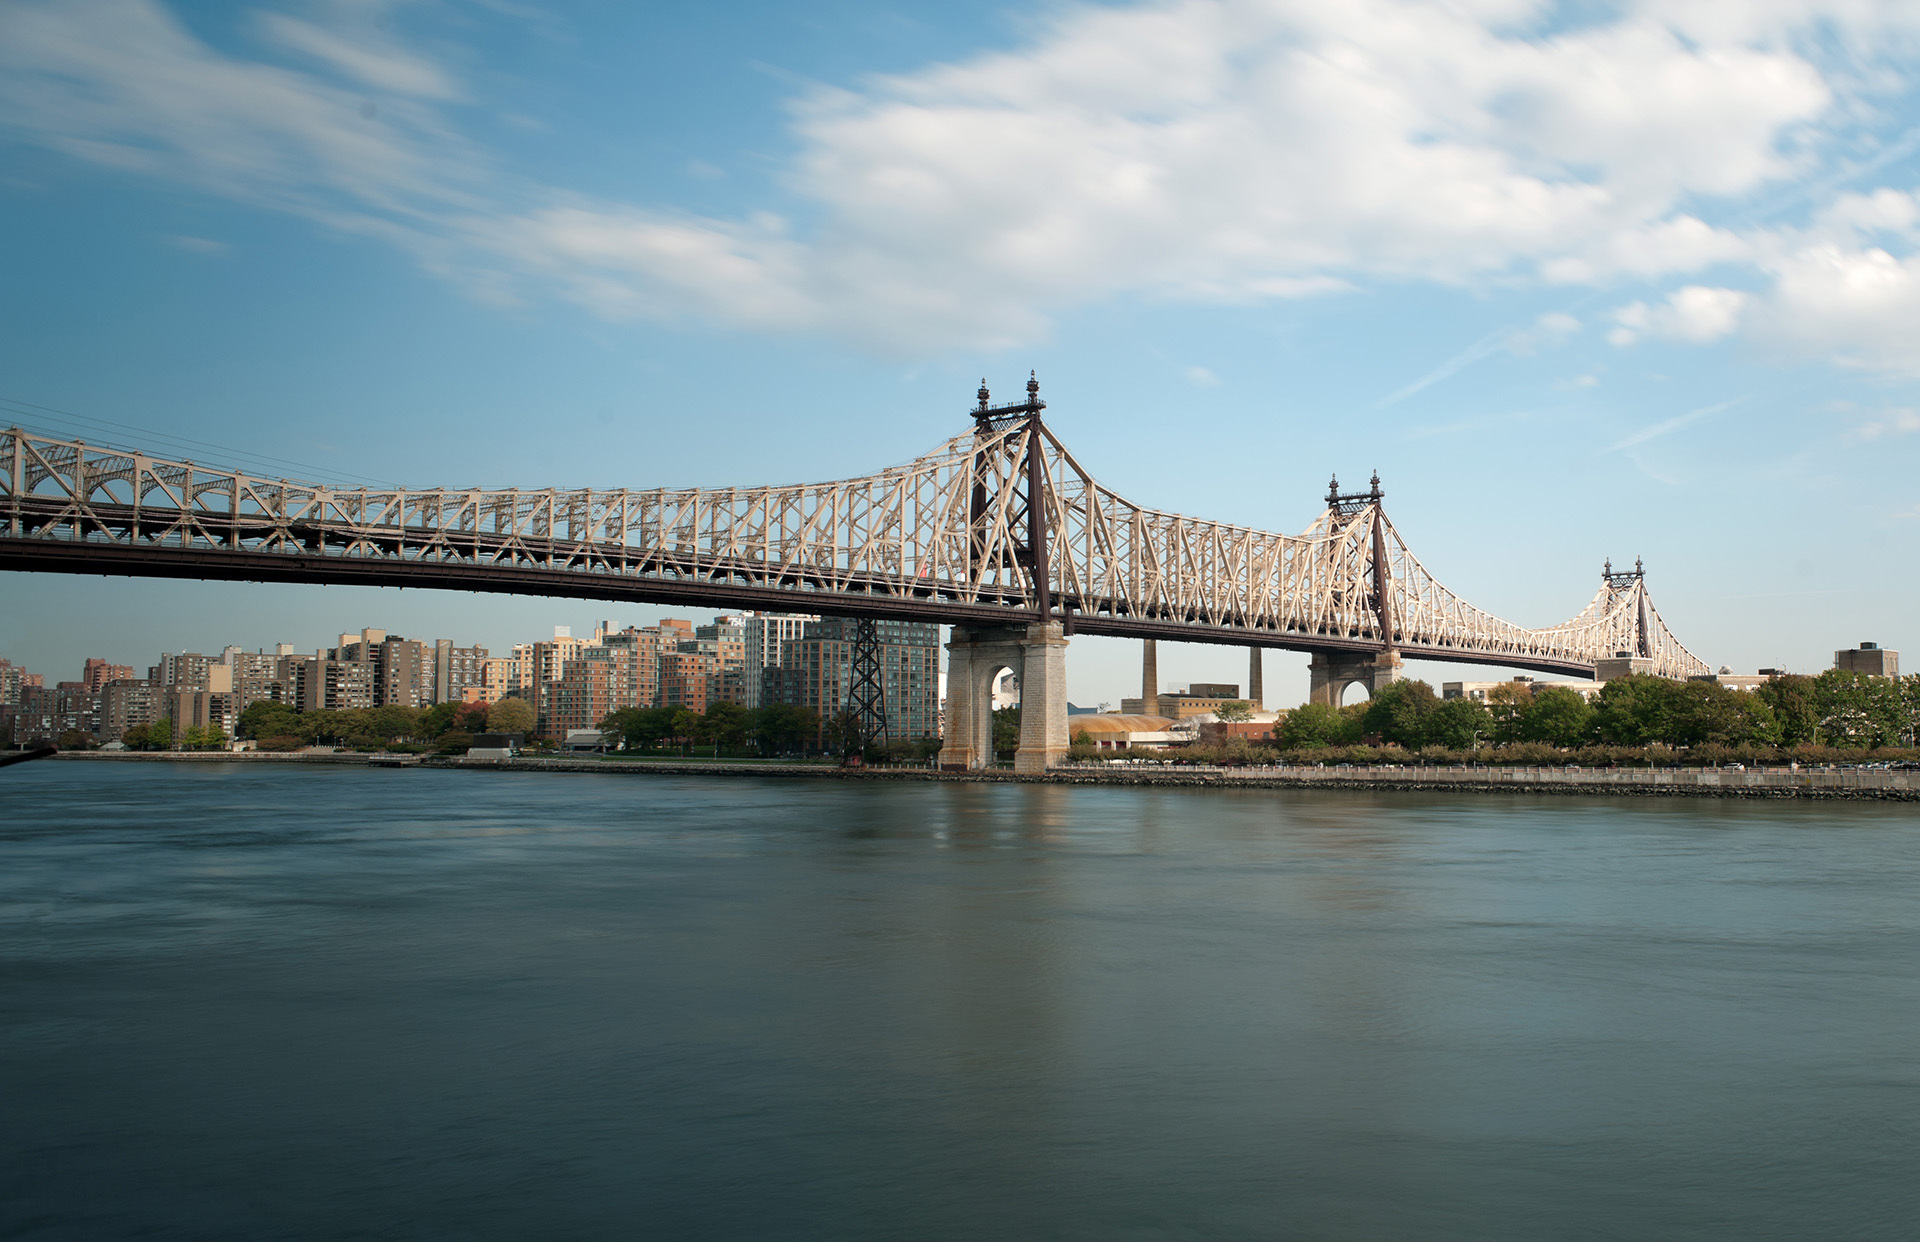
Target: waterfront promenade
x=1882 y=784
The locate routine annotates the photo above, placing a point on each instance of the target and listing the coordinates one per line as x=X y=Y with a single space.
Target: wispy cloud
x=1488 y=345
x=1552 y=328
x=1173 y=169
x=1674 y=424
x=1889 y=423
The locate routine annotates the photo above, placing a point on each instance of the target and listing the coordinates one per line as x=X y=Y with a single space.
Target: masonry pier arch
x=975 y=656
x=1329 y=673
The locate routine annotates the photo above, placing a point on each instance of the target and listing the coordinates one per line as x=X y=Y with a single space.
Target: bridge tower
x=1015 y=494
x=867 y=687
x=1361 y=518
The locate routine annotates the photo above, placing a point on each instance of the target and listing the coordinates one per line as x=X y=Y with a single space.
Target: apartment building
x=638 y=653
x=126 y=703
x=257 y=675
x=597 y=682
x=323 y=684
x=764 y=639
x=816 y=672
x=689 y=677
x=99 y=672
x=201 y=709
x=13 y=679
x=402 y=669
x=186 y=671
x=457 y=670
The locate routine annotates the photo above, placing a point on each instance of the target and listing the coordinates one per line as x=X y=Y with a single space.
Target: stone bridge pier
x=1329 y=674
x=975 y=656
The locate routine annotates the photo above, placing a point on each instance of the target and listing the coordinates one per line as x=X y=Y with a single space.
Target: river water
x=250 y=1002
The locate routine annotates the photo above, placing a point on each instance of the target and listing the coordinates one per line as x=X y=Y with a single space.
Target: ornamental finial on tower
x=1033 y=387
x=1606 y=570
x=982 y=394
x=1376 y=485
x=1333 y=488
x=1639 y=570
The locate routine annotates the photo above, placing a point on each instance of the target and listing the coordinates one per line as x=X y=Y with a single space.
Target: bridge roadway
x=658 y=578
x=1000 y=533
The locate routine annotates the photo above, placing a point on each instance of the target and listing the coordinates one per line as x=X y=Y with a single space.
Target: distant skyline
x=1580 y=282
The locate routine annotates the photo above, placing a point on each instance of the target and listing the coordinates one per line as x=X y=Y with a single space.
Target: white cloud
x=1551 y=329
x=1695 y=315
x=1227 y=151
x=196 y=245
x=1201 y=377
x=1899 y=422
x=1858 y=305
x=363 y=56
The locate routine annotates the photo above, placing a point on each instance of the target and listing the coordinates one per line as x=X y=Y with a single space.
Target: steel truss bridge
x=1000 y=525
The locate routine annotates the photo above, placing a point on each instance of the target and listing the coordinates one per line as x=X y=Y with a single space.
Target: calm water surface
x=252 y=1003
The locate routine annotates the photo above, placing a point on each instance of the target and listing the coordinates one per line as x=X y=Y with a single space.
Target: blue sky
x=1580 y=280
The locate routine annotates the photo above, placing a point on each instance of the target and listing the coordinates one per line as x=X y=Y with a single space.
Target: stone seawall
x=1868 y=783
x=1849 y=783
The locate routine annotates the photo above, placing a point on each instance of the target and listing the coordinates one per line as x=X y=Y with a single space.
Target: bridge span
x=1000 y=532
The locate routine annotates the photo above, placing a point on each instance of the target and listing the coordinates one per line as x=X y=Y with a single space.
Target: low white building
x=1114 y=731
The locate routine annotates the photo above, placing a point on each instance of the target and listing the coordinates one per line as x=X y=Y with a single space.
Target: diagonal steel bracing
x=951 y=536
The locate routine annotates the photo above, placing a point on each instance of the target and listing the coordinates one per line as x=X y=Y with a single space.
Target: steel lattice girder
x=941 y=538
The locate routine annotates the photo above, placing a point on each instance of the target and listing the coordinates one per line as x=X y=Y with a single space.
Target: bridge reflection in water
x=999 y=532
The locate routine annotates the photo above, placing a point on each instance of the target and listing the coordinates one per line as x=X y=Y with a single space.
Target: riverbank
x=1874 y=784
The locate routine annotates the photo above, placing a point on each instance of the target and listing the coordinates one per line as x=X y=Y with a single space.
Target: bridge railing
x=946 y=530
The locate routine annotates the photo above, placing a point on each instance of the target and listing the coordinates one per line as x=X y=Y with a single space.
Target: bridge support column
x=1330 y=673
x=1043 y=700
x=975 y=657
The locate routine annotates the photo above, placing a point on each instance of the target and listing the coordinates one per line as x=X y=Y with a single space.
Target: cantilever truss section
x=943 y=537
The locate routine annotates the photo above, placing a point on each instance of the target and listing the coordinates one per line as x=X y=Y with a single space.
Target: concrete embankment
x=1865 y=783
x=1839 y=783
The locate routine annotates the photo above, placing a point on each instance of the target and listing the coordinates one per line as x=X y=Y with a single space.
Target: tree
x=689 y=727
x=392 y=722
x=842 y=731
x=1790 y=699
x=1508 y=704
x=1314 y=725
x=510 y=715
x=77 y=739
x=267 y=718
x=1006 y=730
x=1458 y=724
x=1234 y=710
x=1633 y=711
x=1398 y=713
x=1758 y=724
x=1557 y=716
x=437 y=719
x=203 y=737
x=781 y=728
x=728 y=724
x=643 y=728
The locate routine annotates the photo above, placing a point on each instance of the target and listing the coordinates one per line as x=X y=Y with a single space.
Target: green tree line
x=444 y=726
x=775 y=729
x=1835 y=709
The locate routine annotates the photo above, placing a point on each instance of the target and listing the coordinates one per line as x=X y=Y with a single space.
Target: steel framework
x=955 y=536
x=866 y=687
